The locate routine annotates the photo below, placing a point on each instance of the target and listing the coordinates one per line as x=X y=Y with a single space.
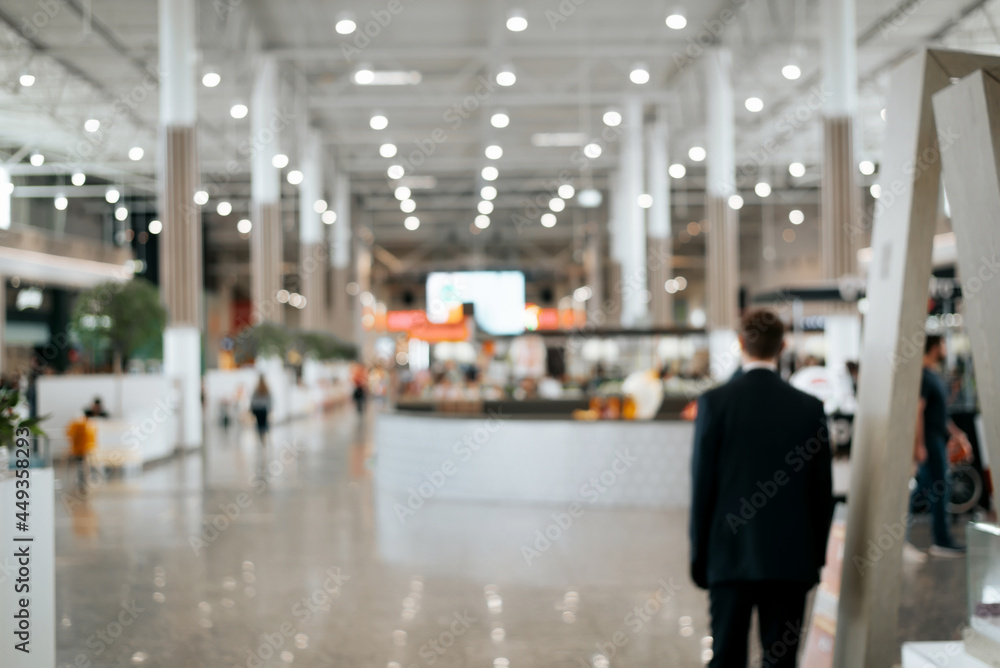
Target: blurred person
x=936 y=434
x=360 y=394
x=762 y=501
x=82 y=434
x=96 y=409
x=260 y=406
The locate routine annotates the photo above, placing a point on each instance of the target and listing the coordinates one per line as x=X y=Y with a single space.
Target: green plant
x=323 y=346
x=10 y=421
x=266 y=339
x=121 y=316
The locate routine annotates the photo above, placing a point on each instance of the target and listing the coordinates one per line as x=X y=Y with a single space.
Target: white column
x=313 y=252
x=180 y=243
x=659 y=263
x=722 y=266
x=634 y=280
x=341 y=303
x=266 y=248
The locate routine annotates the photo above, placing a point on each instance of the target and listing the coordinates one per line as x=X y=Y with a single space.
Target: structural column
x=612 y=309
x=313 y=251
x=722 y=266
x=659 y=261
x=181 y=240
x=266 y=240
x=634 y=279
x=341 y=303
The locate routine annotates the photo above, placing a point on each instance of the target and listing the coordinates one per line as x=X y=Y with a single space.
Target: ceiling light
x=407 y=206
x=589 y=198
x=402 y=192
x=364 y=76
x=676 y=20
x=329 y=217
x=378 y=122
x=639 y=74
x=735 y=202
x=488 y=193
x=557 y=204
x=482 y=221
x=294 y=177
x=681 y=282
x=558 y=139
x=592 y=150
x=645 y=200
x=494 y=152
x=754 y=104
x=791 y=72
x=485 y=207
x=121 y=213
x=155 y=227
x=797 y=169
x=201 y=198
x=37 y=159
x=345 y=26
x=490 y=173
x=78 y=179
x=677 y=170
x=697 y=153
x=387 y=150
x=762 y=189
x=395 y=172
x=411 y=223
x=566 y=191
x=612 y=118
x=500 y=119
x=866 y=167
x=61 y=203
x=244 y=226
x=112 y=196
x=506 y=76
x=516 y=21
x=670 y=286
x=211 y=79
x=92 y=125
x=136 y=153
x=548 y=220
x=320 y=205
x=796 y=217
x=875 y=190
x=27 y=80
x=882 y=114
x=239 y=110
x=224 y=208
x=279 y=161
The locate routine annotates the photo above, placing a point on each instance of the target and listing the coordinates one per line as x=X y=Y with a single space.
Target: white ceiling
x=98 y=59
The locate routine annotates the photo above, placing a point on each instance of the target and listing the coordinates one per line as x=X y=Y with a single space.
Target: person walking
x=762 y=502
x=260 y=406
x=82 y=434
x=936 y=434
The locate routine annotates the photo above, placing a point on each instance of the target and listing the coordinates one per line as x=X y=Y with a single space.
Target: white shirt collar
x=759 y=364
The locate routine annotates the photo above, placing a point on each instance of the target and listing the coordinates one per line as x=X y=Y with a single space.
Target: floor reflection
x=242 y=556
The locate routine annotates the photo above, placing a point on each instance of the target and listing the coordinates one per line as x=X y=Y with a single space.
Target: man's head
x=934 y=350
x=762 y=335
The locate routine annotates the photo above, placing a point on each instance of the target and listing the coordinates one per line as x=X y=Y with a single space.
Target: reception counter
x=499 y=457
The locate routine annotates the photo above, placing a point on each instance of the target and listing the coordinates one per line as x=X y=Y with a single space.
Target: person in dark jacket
x=762 y=501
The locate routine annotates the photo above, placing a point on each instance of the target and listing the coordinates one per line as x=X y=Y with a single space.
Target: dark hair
x=931 y=342
x=762 y=334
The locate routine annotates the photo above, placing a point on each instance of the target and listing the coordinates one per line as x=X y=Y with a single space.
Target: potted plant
x=10 y=421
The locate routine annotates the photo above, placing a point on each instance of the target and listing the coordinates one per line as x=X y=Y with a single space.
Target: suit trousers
x=780 y=615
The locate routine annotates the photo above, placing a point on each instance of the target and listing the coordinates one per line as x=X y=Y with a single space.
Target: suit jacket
x=762 y=483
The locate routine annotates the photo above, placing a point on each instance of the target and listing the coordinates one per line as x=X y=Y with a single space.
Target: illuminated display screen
x=497 y=298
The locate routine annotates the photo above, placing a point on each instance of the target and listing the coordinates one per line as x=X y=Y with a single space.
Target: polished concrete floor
x=204 y=560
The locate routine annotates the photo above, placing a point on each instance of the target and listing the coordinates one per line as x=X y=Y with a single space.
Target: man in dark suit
x=762 y=501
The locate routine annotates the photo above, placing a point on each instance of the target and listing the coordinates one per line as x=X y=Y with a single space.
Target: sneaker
x=913 y=555
x=946 y=552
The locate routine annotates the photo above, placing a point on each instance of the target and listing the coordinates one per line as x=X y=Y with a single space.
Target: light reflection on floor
x=225 y=558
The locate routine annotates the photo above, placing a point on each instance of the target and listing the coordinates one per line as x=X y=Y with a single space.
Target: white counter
x=523 y=459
